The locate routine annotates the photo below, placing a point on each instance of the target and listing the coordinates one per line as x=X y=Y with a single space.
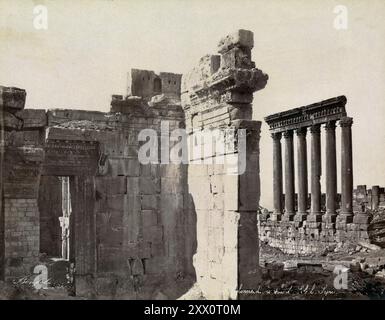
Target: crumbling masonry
x=136 y=230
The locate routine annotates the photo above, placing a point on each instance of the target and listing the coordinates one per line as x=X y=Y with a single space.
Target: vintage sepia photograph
x=191 y=150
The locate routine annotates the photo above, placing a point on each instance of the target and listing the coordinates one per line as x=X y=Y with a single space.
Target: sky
x=83 y=56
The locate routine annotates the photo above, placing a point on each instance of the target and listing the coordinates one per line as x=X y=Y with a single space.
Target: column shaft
x=316 y=170
x=277 y=175
x=331 y=170
x=346 y=166
x=302 y=173
x=289 y=176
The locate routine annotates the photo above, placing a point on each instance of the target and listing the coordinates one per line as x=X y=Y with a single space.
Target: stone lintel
x=58 y=116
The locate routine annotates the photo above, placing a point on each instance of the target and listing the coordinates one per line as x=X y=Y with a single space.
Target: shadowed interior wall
x=50 y=208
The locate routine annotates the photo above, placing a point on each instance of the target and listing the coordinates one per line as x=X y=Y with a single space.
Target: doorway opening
x=55 y=214
x=56 y=230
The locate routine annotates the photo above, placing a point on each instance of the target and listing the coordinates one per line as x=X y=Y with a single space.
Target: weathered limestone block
x=12 y=99
x=32 y=118
x=240 y=39
x=11 y=122
x=111 y=185
x=153 y=234
x=149 y=202
x=149 y=218
x=133 y=185
x=123 y=167
x=149 y=185
x=21 y=225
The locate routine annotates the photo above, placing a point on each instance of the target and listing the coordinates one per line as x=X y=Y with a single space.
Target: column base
x=361 y=218
x=315 y=217
x=329 y=217
x=345 y=218
x=301 y=216
x=276 y=216
x=288 y=216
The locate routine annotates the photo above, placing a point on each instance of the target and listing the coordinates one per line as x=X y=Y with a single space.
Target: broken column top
x=231 y=71
x=12 y=99
x=240 y=39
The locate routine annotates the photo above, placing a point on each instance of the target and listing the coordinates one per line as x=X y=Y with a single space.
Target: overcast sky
x=83 y=56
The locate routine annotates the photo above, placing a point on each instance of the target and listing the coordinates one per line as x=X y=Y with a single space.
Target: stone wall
x=22 y=156
x=133 y=233
x=303 y=240
x=21 y=236
x=217 y=97
x=143 y=239
x=313 y=237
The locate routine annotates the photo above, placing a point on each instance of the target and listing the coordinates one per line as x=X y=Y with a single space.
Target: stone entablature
x=318 y=113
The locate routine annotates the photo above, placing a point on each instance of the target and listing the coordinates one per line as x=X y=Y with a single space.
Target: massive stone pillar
x=302 y=174
x=346 y=167
x=315 y=209
x=331 y=171
x=218 y=95
x=289 y=176
x=277 y=176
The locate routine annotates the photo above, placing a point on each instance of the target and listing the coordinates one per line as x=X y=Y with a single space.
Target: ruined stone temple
x=72 y=187
x=300 y=227
x=78 y=201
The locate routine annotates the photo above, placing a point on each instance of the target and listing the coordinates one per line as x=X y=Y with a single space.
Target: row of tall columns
x=315 y=215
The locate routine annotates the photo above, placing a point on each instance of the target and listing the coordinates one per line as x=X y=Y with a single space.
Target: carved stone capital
x=315 y=129
x=276 y=135
x=346 y=122
x=330 y=125
x=301 y=131
x=288 y=134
